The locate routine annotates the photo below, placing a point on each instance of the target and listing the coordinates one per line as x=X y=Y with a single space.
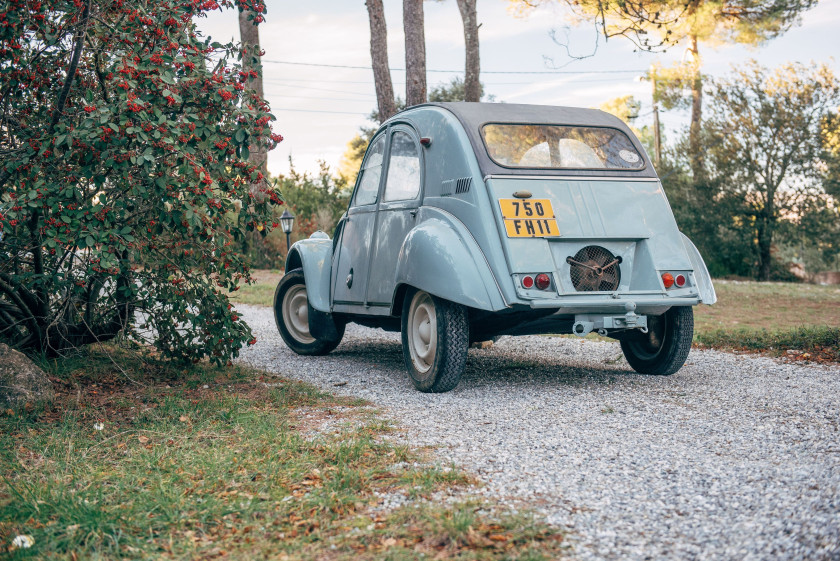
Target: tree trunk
x=250 y=36
x=379 y=60
x=472 y=86
x=765 y=244
x=766 y=223
x=697 y=160
x=415 y=52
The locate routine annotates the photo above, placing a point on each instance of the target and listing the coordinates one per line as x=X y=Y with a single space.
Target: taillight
x=680 y=281
x=543 y=281
x=668 y=280
x=527 y=281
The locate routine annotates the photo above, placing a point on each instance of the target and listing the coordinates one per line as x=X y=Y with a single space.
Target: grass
x=205 y=463
x=817 y=343
x=772 y=305
x=261 y=292
x=800 y=321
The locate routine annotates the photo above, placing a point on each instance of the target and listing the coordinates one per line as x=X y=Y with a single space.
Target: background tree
x=415 y=52
x=379 y=59
x=659 y=24
x=472 y=86
x=766 y=146
x=125 y=177
x=249 y=33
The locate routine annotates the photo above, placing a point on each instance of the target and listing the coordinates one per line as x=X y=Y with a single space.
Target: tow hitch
x=587 y=323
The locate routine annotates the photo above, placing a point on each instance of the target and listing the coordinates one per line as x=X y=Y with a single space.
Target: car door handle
x=413 y=213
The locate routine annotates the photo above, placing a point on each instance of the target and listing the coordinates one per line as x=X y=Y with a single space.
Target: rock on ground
x=21 y=382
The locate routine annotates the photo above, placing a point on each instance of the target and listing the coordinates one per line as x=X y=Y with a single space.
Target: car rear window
x=560 y=147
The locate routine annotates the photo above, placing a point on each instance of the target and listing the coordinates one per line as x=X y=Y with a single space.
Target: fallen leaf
x=184 y=419
x=143 y=439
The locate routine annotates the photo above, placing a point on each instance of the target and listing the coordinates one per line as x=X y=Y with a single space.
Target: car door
x=352 y=258
x=397 y=213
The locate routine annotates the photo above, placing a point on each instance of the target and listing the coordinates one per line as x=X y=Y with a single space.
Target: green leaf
x=245 y=153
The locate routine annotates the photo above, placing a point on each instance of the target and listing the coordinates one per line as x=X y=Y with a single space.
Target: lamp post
x=287 y=222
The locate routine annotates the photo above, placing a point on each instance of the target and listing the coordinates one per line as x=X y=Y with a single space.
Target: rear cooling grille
x=594 y=268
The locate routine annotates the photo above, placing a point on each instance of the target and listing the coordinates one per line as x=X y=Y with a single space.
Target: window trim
x=492 y=159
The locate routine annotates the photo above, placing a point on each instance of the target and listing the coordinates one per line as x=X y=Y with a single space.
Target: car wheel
x=665 y=347
x=291 y=312
x=435 y=337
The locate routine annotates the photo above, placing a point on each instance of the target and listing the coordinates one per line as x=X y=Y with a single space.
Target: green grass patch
x=773 y=306
x=140 y=459
x=261 y=292
x=819 y=343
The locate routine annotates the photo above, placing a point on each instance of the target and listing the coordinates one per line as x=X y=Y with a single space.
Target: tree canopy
x=124 y=178
x=767 y=138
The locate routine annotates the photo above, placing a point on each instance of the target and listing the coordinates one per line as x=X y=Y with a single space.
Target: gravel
x=733 y=457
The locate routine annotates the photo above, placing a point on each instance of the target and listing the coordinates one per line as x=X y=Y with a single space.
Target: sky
x=320 y=108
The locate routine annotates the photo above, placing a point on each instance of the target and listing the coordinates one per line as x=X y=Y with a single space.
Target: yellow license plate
x=531 y=218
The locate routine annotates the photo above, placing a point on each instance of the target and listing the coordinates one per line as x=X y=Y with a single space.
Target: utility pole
x=657 y=139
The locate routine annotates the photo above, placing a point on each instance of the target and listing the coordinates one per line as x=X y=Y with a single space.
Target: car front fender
x=441 y=258
x=314 y=256
x=701 y=273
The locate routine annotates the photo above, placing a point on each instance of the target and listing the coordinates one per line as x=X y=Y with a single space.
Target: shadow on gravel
x=488 y=368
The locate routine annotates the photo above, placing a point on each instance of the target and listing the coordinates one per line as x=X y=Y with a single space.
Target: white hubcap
x=422 y=331
x=296 y=314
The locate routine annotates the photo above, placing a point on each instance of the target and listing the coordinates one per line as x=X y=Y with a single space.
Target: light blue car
x=473 y=220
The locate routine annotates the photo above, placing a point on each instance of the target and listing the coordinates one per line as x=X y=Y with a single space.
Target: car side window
x=371 y=172
x=403 y=180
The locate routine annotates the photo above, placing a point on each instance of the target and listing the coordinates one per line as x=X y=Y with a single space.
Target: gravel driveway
x=733 y=457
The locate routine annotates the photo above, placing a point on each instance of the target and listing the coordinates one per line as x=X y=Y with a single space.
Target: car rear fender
x=314 y=256
x=701 y=273
x=440 y=257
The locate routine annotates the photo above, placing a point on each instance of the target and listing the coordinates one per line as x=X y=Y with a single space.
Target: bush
x=317 y=202
x=125 y=182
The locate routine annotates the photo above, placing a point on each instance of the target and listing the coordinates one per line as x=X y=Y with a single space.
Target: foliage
x=765 y=147
x=627 y=108
x=351 y=159
x=672 y=84
x=455 y=90
x=124 y=178
x=317 y=203
x=659 y=24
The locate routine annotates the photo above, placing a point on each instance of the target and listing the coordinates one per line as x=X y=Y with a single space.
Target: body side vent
x=455 y=186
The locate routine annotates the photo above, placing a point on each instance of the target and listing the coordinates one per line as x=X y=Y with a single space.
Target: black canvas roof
x=474 y=115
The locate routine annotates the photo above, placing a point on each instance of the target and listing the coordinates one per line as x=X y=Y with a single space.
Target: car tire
x=435 y=338
x=291 y=313
x=665 y=347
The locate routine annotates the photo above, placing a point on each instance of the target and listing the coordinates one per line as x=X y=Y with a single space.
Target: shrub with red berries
x=124 y=180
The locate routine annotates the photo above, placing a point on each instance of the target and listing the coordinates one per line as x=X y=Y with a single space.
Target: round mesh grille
x=593 y=268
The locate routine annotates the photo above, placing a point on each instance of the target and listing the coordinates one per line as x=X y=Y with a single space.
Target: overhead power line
x=626 y=71
x=273 y=109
